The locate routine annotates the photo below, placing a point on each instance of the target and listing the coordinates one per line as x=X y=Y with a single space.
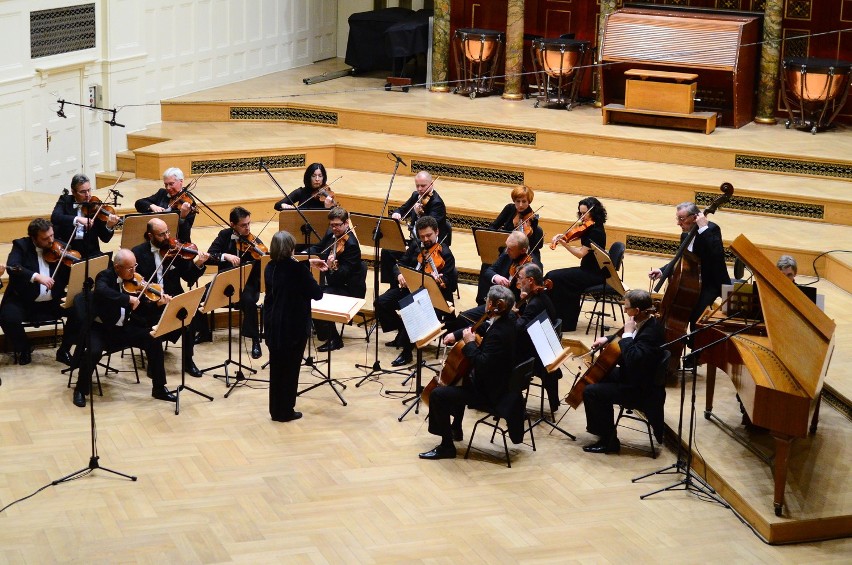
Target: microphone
x=398 y=159
x=117 y=193
x=112 y=121
x=61 y=111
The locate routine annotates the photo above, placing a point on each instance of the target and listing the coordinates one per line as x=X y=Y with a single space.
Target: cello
x=684 y=276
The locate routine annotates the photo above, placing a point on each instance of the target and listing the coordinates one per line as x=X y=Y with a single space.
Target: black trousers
x=446 y=410
x=284 y=366
x=599 y=400
x=568 y=286
x=103 y=339
x=13 y=314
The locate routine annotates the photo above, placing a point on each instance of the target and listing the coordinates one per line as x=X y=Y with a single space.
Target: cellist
x=631 y=380
x=708 y=247
x=492 y=363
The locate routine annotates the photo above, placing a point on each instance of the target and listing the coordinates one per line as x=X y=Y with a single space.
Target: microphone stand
x=85 y=344
x=376 y=368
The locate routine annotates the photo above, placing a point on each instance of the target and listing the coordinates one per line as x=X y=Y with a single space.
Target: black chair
x=513 y=400
x=109 y=368
x=606 y=293
x=650 y=412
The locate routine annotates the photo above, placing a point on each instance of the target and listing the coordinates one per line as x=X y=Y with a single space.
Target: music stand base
x=93 y=464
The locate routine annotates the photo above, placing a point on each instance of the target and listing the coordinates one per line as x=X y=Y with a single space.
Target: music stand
x=225 y=291
x=135 y=226
x=488 y=244
x=552 y=354
x=338 y=309
x=177 y=315
x=78 y=276
x=290 y=220
x=610 y=279
x=418 y=316
x=387 y=234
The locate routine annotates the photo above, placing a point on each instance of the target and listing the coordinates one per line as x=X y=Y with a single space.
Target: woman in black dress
x=287 y=322
x=306 y=196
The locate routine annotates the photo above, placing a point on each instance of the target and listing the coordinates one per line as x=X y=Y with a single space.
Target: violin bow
x=314 y=195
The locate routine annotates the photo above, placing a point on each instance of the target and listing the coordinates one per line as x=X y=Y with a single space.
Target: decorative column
x=607 y=7
x=441 y=46
x=770 y=59
x=514 y=50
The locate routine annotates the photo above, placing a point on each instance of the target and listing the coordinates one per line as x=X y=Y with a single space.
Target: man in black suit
x=632 y=380
x=346 y=275
x=225 y=254
x=34 y=292
x=387 y=304
x=169 y=273
x=71 y=223
x=120 y=320
x=420 y=204
x=161 y=201
x=492 y=363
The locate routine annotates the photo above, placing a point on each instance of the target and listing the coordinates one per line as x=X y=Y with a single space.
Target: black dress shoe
x=192 y=370
x=395 y=342
x=163 y=394
x=79 y=399
x=25 y=357
x=333 y=344
x=294 y=416
x=255 y=348
x=613 y=446
x=404 y=358
x=63 y=356
x=203 y=337
x=440 y=452
x=458 y=434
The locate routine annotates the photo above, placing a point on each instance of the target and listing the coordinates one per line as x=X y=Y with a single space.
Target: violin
x=181 y=198
x=187 y=251
x=434 y=263
x=323 y=192
x=94 y=208
x=138 y=287
x=60 y=252
x=337 y=246
x=524 y=223
x=577 y=230
x=535 y=290
x=252 y=245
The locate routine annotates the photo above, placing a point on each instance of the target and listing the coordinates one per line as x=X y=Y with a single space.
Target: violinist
x=417 y=257
x=568 y=284
x=346 y=275
x=631 y=381
x=166 y=200
x=71 y=219
x=225 y=252
x=519 y=215
x=314 y=194
x=709 y=249
x=493 y=361
x=34 y=292
x=121 y=319
x=152 y=257
x=424 y=201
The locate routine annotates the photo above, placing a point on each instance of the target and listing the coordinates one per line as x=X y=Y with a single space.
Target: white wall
x=147 y=50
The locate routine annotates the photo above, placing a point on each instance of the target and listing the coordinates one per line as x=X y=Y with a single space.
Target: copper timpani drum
x=478 y=53
x=814 y=91
x=559 y=66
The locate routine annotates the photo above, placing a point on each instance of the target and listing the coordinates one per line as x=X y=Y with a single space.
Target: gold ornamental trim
x=660 y=246
x=793 y=166
x=289 y=114
x=242 y=164
x=479 y=174
x=765 y=206
x=496 y=135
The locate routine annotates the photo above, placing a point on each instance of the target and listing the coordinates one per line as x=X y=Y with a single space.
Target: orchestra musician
x=424 y=201
x=164 y=200
x=568 y=284
x=287 y=319
x=308 y=196
x=71 y=222
x=224 y=252
x=709 y=249
x=35 y=292
x=417 y=256
x=121 y=319
x=632 y=380
x=492 y=363
x=787 y=265
x=346 y=274
x=170 y=270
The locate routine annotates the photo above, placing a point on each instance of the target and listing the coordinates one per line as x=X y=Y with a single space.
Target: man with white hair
x=164 y=201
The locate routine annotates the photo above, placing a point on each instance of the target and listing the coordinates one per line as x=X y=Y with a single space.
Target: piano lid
x=801 y=335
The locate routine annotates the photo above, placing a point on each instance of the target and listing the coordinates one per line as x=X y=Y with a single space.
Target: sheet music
x=544 y=339
x=418 y=315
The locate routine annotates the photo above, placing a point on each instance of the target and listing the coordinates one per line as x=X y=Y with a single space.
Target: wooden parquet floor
x=222 y=483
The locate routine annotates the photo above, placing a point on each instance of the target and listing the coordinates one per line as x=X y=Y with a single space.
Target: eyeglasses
x=681 y=219
x=336 y=224
x=162 y=233
x=127 y=267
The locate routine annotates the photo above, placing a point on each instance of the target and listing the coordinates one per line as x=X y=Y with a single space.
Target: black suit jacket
x=180 y=269
x=301 y=198
x=493 y=360
x=351 y=275
x=435 y=208
x=21 y=265
x=451 y=276
x=287 y=304
x=161 y=198
x=527 y=312
x=710 y=250
x=63 y=220
x=640 y=355
x=226 y=242
x=502 y=267
x=109 y=299
x=505 y=222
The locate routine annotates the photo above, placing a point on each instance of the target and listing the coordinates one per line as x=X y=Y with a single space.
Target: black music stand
x=422 y=325
x=338 y=309
x=387 y=233
x=177 y=315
